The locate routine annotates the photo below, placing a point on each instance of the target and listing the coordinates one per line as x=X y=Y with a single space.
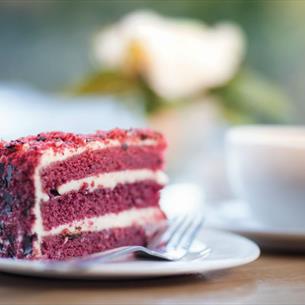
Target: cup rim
x=278 y=135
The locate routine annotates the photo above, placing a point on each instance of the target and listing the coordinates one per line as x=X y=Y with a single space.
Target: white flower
x=178 y=58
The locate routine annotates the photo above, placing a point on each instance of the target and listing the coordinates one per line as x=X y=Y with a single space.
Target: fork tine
x=164 y=236
x=180 y=232
x=190 y=234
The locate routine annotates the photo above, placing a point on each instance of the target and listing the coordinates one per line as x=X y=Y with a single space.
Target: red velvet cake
x=64 y=195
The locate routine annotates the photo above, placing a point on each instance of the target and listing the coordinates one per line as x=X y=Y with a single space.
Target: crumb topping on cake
x=57 y=140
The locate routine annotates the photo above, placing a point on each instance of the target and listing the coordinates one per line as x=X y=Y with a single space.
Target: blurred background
x=188 y=68
x=48 y=43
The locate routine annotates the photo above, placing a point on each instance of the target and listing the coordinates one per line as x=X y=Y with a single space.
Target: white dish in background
x=235 y=216
x=228 y=251
x=266 y=169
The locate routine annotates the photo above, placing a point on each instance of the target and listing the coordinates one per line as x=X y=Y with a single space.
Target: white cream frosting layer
x=50 y=156
x=112 y=179
x=123 y=219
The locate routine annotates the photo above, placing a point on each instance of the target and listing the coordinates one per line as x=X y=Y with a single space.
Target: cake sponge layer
x=62 y=247
x=77 y=205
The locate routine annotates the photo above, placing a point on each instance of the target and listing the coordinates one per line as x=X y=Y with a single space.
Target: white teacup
x=266 y=166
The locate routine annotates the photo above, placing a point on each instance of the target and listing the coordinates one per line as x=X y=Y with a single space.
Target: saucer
x=235 y=216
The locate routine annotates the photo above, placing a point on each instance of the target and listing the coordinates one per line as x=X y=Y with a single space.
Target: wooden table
x=270 y=280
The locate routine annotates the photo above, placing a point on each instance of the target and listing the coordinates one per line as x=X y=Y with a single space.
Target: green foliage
x=122 y=85
x=248 y=98
x=106 y=82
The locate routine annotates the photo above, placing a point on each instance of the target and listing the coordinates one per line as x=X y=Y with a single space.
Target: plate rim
x=172 y=268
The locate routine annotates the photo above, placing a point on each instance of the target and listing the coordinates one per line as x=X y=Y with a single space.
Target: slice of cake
x=64 y=195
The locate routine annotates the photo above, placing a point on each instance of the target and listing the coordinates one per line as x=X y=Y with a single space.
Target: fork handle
x=105 y=256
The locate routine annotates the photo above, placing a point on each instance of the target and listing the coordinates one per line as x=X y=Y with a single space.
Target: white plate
x=235 y=216
x=228 y=251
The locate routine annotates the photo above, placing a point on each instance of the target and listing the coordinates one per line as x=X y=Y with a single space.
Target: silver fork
x=171 y=245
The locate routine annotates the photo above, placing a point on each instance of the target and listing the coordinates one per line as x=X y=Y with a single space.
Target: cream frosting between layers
x=112 y=179
x=141 y=217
